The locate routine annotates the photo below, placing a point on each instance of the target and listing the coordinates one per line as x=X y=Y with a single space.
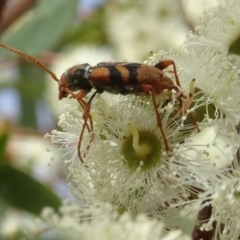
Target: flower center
x=141 y=149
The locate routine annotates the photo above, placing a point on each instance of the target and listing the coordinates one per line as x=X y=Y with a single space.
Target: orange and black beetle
x=117 y=78
x=113 y=77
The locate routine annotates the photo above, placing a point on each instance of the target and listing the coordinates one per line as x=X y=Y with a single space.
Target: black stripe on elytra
x=114 y=74
x=133 y=72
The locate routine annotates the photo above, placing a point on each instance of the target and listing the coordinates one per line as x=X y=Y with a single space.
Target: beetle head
x=74 y=79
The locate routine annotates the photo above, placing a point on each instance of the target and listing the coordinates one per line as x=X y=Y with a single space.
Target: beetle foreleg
x=86 y=115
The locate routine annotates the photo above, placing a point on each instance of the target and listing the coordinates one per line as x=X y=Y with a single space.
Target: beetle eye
x=80 y=72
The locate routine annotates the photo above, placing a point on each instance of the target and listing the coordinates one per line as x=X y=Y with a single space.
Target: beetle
x=118 y=78
x=115 y=78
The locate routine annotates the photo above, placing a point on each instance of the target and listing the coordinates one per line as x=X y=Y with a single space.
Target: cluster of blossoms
x=65 y=225
x=187 y=166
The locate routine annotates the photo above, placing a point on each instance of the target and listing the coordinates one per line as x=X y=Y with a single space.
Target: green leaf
x=4 y=135
x=24 y=192
x=44 y=28
x=3 y=141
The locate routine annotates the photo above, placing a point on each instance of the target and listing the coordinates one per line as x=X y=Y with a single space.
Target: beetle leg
x=87 y=106
x=148 y=89
x=79 y=97
x=166 y=63
x=159 y=122
x=86 y=115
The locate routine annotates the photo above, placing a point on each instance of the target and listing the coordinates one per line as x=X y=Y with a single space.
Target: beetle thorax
x=87 y=72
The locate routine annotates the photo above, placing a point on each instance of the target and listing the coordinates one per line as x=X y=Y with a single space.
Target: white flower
x=125 y=158
x=125 y=228
x=110 y=226
x=14 y=224
x=193 y=10
x=222 y=196
x=217 y=145
x=217 y=83
x=220 y=26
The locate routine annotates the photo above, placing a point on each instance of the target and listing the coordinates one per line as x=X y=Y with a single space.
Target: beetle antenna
x=30 y=58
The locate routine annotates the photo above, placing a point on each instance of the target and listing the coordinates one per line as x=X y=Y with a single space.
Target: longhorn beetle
x=116 y=78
